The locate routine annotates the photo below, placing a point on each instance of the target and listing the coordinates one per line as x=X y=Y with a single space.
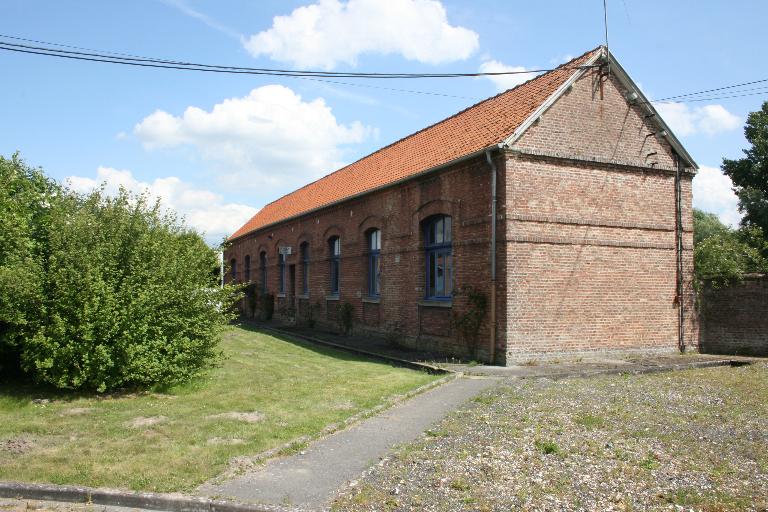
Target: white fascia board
x=627 y=82
x=631 y=86
x=550 y=101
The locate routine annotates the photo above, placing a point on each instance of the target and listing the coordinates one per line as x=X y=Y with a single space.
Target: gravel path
x=685 y=440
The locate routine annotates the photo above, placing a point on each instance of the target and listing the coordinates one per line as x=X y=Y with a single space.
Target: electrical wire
x=192 y=66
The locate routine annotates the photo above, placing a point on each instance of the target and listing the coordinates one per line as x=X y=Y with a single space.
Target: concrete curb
x=115 y=498
x=375 y=355
x=639 y=370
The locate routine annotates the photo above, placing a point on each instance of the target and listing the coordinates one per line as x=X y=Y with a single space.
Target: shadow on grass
x=341 y=353
x=21 y=391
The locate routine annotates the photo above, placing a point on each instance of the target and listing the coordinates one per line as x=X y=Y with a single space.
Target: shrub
x=127 y=294
x=267 y=302
x=346 y=313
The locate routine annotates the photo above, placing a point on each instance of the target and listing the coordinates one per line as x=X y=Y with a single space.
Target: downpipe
x=492 y=339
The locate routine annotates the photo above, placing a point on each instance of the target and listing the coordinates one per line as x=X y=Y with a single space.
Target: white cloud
x=713 y=192
x=331 y=32
x=709 y=119
x=203 y=210
x=269 y=138
x=504 y=82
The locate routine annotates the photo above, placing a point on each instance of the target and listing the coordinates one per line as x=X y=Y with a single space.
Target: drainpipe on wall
x=679 y=253
x=492 y=340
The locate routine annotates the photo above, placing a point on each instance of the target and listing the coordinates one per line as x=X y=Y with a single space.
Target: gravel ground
x=685 y=440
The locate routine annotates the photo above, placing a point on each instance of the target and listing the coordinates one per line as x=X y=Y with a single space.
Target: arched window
x=334 y=252
x=439 y=258
x=374 y=262
x=247 y=269
x=263 y=268
x=233 y=269
x=304 y=253
x=281 y=271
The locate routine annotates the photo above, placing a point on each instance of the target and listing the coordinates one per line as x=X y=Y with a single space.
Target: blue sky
x=218 y=147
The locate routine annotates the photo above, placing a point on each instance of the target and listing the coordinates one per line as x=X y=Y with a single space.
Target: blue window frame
x=281 y=271
x=374 y=263
x=233 y=269
x=334 y=250
x=439 y=258
x=263 y=267
x=304 y=251
x=247 y=269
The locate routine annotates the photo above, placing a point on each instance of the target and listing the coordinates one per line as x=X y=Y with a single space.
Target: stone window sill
x=372 y=300
x=280 y=295
x=303 y=296
x=436 y=303
x=331 y=297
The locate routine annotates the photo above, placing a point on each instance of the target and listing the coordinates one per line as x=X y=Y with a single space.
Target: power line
x=94 y=56
x=711 y=90
x=713 y=98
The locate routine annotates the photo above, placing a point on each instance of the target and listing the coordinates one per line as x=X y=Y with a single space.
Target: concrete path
x=309 y=479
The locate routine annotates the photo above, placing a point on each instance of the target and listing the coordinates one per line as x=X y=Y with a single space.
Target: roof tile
x=475 y=128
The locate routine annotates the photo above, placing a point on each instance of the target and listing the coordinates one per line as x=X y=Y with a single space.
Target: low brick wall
x=734 y=319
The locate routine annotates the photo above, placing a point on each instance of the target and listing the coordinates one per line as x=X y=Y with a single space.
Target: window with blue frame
x=281 y=271
x=304 y=252
x=439 y=258
x=263 y=267
x=334 y=251
x=247 y=269
x=374 y=263
x=233 y=269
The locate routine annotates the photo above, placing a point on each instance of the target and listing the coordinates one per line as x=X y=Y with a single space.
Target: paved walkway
x=310 y=478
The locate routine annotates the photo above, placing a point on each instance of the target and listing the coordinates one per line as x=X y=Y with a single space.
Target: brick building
x=590 y=249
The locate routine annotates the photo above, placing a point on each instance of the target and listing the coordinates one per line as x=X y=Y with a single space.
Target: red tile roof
x=478 y=127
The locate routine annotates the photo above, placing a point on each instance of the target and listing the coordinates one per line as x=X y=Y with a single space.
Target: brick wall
x=461 y=191
x=734 y=319
x=590 y=231
x=586 y=258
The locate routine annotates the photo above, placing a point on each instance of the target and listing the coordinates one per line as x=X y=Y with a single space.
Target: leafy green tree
x=706 y=225
x=750 y=174
x=118 y=292
x=25 y=198
x=723 y=254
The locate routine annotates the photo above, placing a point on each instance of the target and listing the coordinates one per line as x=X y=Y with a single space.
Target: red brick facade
x=586 y=231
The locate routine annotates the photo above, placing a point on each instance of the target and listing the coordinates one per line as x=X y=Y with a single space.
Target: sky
x=217 y=147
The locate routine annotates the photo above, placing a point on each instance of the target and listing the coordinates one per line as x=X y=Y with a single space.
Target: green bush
x=124 y=294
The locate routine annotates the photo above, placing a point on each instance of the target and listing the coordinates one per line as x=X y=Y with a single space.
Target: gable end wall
x=590 y=231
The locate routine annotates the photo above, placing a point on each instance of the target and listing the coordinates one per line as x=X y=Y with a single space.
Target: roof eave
x=435 y=168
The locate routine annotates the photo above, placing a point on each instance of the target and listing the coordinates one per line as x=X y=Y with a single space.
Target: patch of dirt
x=16 y=445
x=344 y=406
x=146 y=421
x=222 y=440
x=76 y=411
x=248 y=417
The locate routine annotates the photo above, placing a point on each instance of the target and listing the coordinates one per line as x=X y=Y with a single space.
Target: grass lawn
x=177 y=439
x=692 y=440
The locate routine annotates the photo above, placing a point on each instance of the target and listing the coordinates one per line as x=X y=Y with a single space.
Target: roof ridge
x=377 y=172
x=406 y=137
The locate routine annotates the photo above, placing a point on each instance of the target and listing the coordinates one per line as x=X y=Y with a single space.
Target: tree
x=25 y=197
x=723 y=255
x=117 y=292
x=750 y=174
x=706 y=225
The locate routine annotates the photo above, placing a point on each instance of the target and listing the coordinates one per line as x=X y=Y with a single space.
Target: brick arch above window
x=431 y=209
x=333 y=230
x=371 y=221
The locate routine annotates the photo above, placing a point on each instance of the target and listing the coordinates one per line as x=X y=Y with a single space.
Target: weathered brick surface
x=586 y=256
x=734 y=319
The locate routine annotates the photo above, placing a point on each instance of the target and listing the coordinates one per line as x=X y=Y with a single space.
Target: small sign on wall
x=285 y=250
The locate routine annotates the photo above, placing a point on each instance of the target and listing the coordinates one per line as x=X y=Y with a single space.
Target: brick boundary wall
x=734 y=319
